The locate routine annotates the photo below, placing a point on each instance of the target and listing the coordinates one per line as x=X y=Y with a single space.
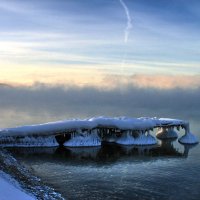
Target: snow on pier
x=91 y=132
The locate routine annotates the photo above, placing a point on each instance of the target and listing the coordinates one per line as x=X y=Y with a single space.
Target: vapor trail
x=129 y=21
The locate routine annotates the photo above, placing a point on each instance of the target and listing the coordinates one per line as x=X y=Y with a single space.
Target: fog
x=42 y=103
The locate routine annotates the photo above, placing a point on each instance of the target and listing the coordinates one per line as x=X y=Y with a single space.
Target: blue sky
x=89 y=35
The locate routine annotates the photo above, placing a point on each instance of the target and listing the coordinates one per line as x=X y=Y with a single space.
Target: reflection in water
x=116 y=172
x=187 y=148
x=107 y=153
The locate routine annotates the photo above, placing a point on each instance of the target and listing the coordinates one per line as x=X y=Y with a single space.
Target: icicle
x=126 y=139
x=143 y=139
x=188 y=138
x=84 y=140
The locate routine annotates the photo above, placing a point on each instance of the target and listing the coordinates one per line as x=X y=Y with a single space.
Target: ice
x=44 y=134
x=122 y=123
x=126 y=139
x=188 y=138
x=143 y=139
x=110 y=138
x=166 y=133
x=30 y=141
x=84 y=139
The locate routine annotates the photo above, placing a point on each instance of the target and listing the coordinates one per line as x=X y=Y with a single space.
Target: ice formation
x=110 y=138
x=143 y=139
x=91 y=132
x=166 y=133
x=84 y=139
x=188 y=138
x=126 y=139
x=29 y=141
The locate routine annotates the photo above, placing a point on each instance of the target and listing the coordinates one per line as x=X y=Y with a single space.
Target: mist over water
x=42 y=103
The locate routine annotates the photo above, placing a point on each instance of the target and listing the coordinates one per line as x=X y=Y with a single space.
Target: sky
x=64 y=50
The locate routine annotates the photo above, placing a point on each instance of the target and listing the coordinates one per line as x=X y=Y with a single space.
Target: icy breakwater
x=94 y=131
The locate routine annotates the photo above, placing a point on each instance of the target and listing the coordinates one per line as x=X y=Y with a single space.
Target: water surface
x=168 y=170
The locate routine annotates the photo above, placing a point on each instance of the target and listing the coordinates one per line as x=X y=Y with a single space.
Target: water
x=166 y=171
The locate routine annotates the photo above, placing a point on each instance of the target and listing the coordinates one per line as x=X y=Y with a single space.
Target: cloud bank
x=42 y=103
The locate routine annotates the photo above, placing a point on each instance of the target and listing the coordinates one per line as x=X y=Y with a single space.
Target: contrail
x=129 y=21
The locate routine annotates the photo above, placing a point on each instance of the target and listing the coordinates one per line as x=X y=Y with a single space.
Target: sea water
x=168 y=170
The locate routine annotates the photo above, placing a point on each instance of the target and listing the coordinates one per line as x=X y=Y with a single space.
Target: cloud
x=158 y=81
x=42 y=103
x=99 y=76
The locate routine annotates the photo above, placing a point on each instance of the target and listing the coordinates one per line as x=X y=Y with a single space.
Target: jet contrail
x=129 y=21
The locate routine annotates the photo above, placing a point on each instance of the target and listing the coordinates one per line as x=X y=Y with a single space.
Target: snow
x=20 y=177
x=172 y=122
x=122 y=123
x=48 y=128
x=9 y=191
x=125 y=123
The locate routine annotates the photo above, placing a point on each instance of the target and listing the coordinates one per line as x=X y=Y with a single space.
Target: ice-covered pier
x=94 y=131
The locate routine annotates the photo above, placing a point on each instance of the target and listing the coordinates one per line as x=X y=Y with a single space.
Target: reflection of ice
x=167 y=144
x=107 y=153
x=33 y=150
x=84 y=152
x=187 y=148
x=145 y=150
x=167 y=148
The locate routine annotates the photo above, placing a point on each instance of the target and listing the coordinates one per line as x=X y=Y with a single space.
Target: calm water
x=166 y=171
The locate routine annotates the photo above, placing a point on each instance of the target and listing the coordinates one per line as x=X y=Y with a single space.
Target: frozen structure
x=84 y=139
x=94 y=131
x=166 y=133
